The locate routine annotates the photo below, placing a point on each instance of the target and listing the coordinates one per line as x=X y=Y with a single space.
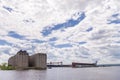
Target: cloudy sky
x=67 y=30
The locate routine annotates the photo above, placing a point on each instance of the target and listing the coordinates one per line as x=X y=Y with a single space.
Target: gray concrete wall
x=23 y=60
x=39 y=60
x=20 y=60
x=11 y=61
x=43 y=60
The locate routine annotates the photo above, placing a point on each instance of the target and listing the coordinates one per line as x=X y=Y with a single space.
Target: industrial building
x=80 y=65
x=22 y=60
x=38 y=61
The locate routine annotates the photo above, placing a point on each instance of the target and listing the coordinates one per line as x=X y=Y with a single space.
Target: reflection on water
x=101 y=73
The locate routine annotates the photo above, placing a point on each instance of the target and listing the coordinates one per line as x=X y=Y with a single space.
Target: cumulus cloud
x=95 y=37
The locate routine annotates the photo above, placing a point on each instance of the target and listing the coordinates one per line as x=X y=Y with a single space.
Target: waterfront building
x=38 y=60
x=22 y=60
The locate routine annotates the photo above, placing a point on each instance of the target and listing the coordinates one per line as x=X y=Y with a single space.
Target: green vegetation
x=4 y=66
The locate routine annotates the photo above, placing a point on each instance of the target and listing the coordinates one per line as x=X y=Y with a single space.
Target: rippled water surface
x=101 y=73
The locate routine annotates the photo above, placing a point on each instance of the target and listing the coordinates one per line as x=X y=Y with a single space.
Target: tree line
x=5 y=66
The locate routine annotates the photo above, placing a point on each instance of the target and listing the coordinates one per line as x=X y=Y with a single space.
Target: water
x=101 y=73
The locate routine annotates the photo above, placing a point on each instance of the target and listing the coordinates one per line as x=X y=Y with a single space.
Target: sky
x=67 y=30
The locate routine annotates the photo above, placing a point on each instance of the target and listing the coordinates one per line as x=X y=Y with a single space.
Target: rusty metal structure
x=22 y=60
x=79 y=65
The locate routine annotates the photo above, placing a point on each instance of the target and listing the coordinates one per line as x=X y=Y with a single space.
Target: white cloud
x=30 y=17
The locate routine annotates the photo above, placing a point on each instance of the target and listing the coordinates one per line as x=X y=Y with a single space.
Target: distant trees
x=5 y=66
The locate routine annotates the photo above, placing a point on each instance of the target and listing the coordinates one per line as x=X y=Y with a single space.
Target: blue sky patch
x=8 y=8
x=116 y=54
x=15 y=35
x=61 y=45
x=6 y=51
x=53 y=39
x=117 y=41
x=89 y=29
x=115 y=15
x=37 y=41
x=69 y=23
x=82 y=42
x=3 y=42
x=116 y=20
